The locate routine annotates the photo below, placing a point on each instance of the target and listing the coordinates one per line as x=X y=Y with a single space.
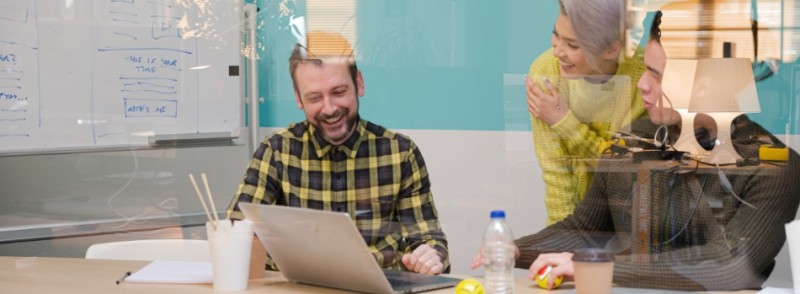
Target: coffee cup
x=258 y=259
x=594 y=271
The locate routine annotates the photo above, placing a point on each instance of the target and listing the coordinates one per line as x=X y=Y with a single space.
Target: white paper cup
x=793 y=242
x=230 y=254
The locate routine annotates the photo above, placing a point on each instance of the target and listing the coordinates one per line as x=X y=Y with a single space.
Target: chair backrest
x=156 y=249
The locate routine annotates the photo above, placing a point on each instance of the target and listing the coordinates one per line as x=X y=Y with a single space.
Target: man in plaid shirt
x=337 y=161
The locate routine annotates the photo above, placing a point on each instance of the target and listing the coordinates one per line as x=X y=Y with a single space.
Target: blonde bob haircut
x=597 y=25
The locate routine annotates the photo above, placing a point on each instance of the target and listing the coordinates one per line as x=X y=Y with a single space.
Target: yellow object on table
x=773 y=153
x=543 y=274
x=469 y=286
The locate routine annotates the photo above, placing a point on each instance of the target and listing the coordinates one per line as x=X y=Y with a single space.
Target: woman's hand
x=561 y=263
x=477 y=260
x=545 y=105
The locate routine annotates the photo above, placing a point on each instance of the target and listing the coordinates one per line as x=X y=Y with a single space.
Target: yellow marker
x=469 y=286
x=541 y=278
x=773 y=153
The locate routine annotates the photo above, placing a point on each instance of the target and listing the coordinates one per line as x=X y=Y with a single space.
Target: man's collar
x=349 y=147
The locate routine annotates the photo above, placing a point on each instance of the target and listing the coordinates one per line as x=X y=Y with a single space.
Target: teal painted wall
x=426 y=64
x=446 y=64
x=779 y=109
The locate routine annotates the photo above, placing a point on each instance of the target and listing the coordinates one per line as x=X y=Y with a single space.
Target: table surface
x=77 y=275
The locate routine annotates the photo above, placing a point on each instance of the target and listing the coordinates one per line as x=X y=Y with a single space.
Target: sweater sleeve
x=561 y=190
x=587 y=227
x=568 y=150
x=742 y=252
x=583 y=140
x=580 y=140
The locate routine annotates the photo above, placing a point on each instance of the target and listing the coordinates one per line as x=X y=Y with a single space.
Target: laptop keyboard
x=407 y=282
x=397 y=283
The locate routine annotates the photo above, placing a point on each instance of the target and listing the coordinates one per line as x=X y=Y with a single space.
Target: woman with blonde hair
x=579 y=93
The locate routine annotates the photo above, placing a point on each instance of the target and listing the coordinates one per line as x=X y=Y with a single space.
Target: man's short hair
x=323 y=46
x=655 y=30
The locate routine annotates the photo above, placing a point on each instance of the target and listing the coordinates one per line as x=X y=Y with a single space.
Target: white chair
x=156 y=249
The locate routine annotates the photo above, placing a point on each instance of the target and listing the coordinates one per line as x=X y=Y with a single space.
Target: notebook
x=324 y=248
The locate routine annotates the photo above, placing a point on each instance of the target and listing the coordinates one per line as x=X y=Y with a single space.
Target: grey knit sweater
x=698 y=235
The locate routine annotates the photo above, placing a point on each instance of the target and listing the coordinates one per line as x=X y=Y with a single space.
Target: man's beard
x=342 y=113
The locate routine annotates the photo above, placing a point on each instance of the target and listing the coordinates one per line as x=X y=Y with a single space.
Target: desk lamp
x=724 y=88
x=677 y=84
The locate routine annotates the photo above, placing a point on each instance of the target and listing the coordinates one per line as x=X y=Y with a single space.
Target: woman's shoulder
x=545 y=64
x=632 y=66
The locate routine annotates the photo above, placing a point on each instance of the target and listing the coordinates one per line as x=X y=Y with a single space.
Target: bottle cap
x=592 y=255
x=498 y=214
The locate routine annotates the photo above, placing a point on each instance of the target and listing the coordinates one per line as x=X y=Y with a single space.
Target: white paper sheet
x=185 y=272
x=770 y=290
x=793 y=242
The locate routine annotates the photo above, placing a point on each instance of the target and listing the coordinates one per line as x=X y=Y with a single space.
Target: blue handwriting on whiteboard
x=11 y=97
x=138 y=107
x=164 y=62
x=14 y=135
x=123 y=12
x=9 y=58
x=107 y=49
x=20 y=44
x=15 y=13
x=148 y=78
x=126 y=35
x=148 y=84
x=142 y=68
x=124 y=20
x=152 y=91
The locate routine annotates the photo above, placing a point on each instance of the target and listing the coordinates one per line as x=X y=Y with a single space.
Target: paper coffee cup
x=231 y=246
x=258 y=259
x=594 y=271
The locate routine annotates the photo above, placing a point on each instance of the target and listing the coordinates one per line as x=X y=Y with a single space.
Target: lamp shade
x=724 y=85
x=677 y=81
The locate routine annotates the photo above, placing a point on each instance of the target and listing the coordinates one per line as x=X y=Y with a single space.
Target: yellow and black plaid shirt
x=377 y=176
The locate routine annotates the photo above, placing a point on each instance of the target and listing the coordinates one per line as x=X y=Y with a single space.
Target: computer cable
x=726 y=185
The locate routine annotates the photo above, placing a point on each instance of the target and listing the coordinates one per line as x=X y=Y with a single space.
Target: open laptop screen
x=324 y=248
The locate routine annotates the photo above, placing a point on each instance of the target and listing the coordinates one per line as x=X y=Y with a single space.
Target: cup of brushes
x=230 y=244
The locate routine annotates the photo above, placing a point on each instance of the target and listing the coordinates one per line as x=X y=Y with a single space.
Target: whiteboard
x=86 y=74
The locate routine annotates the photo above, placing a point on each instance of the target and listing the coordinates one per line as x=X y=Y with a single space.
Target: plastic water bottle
x=498 y=255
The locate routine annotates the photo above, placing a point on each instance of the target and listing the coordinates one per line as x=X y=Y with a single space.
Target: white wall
x=474 y=172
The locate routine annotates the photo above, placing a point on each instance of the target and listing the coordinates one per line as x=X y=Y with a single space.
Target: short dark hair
x=330 y=45
x=655 y=31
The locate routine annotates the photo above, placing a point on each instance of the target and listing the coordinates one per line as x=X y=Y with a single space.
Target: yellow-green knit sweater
x=568 y=150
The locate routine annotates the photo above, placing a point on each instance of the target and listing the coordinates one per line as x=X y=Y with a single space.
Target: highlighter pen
x=122 y=278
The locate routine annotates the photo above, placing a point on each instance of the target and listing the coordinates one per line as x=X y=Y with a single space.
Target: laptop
x=324 y=248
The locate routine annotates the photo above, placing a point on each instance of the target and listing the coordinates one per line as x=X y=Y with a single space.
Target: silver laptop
x=324 y=248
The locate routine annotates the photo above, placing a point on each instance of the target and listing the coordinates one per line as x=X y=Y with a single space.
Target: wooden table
x=77 y=275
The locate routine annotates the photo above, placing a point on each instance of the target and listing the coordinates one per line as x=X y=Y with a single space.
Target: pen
x=122 y=278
